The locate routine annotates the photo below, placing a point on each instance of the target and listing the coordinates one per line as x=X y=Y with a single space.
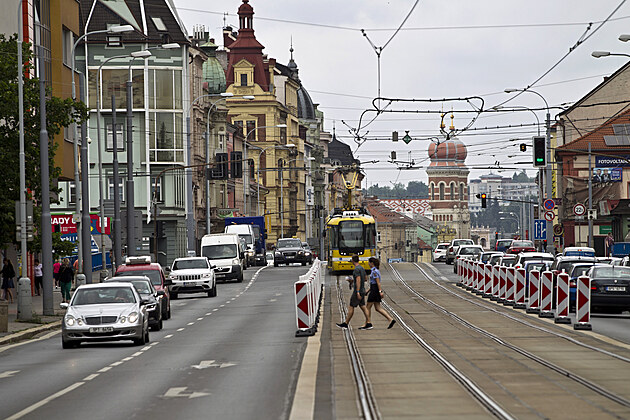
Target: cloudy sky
x=446 y=49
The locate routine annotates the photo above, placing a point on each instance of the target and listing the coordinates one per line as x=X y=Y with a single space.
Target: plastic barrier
x=502 y=274
x=583 y=304
x=460 y=267
x=546 y=285
x=470 y=274
x=562 y=299
x=519 y=291
x=510 y=272
x=495 y=282
x=487 y=280
x=308 y=296
x=480 y=277
x=533 y=300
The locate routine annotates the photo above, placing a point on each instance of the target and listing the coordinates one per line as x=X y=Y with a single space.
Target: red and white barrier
x=519 y=291
x=546 y=285
x=533 y=301
x=502 y=280
x=509 y=286
x=469 y=274
x=487 y=280
x=495 y=282
x=308 y=294
x=480 y=277
x=583 y=304
x=562 y=299
x=460 y=266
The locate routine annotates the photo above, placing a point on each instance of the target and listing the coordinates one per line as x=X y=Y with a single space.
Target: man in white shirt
x=39 y=276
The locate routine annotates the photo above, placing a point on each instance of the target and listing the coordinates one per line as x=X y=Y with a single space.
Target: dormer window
x=243 y=79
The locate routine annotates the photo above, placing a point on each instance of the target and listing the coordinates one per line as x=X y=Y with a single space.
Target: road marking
x=8 y=373
x=138 y=353
x=90 y=377
x=204 y=364
x=190 y=323
x=270 y=300
x=166 y=336
x=146 y=347
x=126 y=359
x=21 y=343
x=221 y=306
x=277 y=294
x=179 y=392
x=105 y=369
x=116 y=364
x=45 y=401
x=215 y=309
x=155 y=343
x=181 y=329
x=200 y=318
x=208 y=313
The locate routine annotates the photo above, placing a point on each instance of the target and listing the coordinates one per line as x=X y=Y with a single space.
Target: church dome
x=213 y=76
x=451 y=152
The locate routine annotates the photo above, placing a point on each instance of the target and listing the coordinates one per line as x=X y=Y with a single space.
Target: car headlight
x=132 y=317
x=122 y=319
x=236 y=261
x=70 y=320
x=206 y=275
x=301 y=252
x=278 y=254
x=172 y=277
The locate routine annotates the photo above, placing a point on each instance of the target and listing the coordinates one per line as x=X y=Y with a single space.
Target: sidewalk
x=38 y=324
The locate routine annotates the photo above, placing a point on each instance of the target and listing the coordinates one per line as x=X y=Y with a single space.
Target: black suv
x=289 y=250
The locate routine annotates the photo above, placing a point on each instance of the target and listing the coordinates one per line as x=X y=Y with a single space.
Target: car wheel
x=142 y=340
x=240 y=278
x=68 y=344
x=303 y=264
x=213 y=292
x=275 y=264
x=146 y=336
x=168 y=312
x=160 y=325
x=173 y=295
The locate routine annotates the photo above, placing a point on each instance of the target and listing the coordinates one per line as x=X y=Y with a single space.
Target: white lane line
x=90 y=377
x=146 y=347
x=138 y=353
x=105 y=369
x=126 y=359
x=166 y=336
x=215 y=309
x=45 y=401
x=221 y=306
x=190 y=323
x=181 y=329
x=207 y=314
x=155 y=343
x=116 y=364
x=200 y=318
x=21 y=343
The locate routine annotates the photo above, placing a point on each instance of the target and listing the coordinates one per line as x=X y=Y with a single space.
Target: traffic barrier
x=502 y=281
x=487 y=281
x=519 y=291
x=533 y=295
x=466 y=273
x=495 y=282
x=583 y=304
x=562 y=299
x=546 y=285
x=471 y=275
x=509 y=286
x=480 y=278
x=460 y=267
x=308 y=296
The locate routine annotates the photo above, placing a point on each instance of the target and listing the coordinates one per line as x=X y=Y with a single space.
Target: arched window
x=441 y=191
x=452 y=188
x=432 y=191
x=461 y=191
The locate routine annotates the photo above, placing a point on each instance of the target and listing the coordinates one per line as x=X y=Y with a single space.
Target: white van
x=246 y=232
x=224 y=252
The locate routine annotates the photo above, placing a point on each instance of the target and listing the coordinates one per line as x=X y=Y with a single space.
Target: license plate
x=101 y=329
x=289 y=257
x=189 y=283
x=615 y=289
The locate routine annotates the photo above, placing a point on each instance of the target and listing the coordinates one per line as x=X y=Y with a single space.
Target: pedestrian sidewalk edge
x=29 y=333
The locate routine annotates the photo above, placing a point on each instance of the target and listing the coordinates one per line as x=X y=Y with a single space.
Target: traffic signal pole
x=549 y=192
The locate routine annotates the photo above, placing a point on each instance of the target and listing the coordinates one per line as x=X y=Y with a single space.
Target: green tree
x=60 y=113
x=415 y=189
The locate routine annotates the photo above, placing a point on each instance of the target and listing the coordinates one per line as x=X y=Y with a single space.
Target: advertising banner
x=611 y=162
x=66 y=225
x=605 y=175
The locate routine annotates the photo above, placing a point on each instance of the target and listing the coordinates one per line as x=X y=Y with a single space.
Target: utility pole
x=549 y=225
x=117 y=227
x=131 y=237
x=590 y=198
x=86 y=223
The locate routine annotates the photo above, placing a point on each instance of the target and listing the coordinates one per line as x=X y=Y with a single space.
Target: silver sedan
x=105 y=312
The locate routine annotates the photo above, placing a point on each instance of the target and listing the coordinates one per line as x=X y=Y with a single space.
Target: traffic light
x=393 y=155
x=250 y=166
x=483 y=201
x=540 y=150
x=236 y=164
x=523 y=147
x=221 y=168
x=394 y=135
x=496 y=236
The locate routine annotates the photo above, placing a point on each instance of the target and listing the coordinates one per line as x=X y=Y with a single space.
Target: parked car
x=466 y=251
x=142 y=266
x=578 y=251
x=611 y=260
x=495 y=258
x=566 y=264
x=289 y=250
x=439 y=253
x=523 y=257
x=146 y=291
x=192 y=275
x=225 y=252
x=485 y=257
x=502 y=245
x=308 y=252
x=521 y=246
x=610 y=288
x=508 y=260
x=452 y=249
x=105 y=312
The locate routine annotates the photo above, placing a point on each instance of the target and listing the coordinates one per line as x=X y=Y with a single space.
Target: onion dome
x=451 y=152
x=212 y=74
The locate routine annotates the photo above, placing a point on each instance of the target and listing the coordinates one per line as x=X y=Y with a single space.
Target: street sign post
x=579 y=209
x=549 y=216
x=540 y=229
x=549 y=204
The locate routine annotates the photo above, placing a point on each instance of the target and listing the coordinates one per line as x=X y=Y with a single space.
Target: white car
x=439 y=253
x=192 y=275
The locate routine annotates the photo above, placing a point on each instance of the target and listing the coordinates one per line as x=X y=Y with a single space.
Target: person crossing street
x=359 y=277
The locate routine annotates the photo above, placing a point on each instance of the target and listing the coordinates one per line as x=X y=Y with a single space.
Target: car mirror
x=213 y=267
x=167 y=270
x=144 y=301
x=161 y=293
x=64 y=305
x=168 y=282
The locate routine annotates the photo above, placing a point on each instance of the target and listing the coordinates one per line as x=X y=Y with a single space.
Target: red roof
x=596 y=137
x=383 y=214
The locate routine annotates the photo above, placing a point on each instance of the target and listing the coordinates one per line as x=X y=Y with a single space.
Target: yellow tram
x=348 y=233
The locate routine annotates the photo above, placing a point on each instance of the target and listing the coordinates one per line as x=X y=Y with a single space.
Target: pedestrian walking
x=8 y=272
x=39 y=277
x=359 y=277
x=376 y=292
x=56 y=267
x=609 y=242
x=66 y=274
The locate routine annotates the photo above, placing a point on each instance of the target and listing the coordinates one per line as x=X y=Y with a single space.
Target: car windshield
x=103 y=295
x=248 y=238
x=536 y=267
x=351 y=234
x=190 y=264
x=442 y=246
x=219 y=252
x=458 y=242
x=153 y=275
x=495 y=258
x=580 y=270
x=522 y=244
x=469 y=251
x=615 y=272
x=289 y=243
x=504 y=242
x=566 y=266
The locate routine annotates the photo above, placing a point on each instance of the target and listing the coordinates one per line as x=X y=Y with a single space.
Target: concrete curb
x=29 y=333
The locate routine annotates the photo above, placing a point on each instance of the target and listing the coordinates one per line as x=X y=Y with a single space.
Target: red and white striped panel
x=495 y=280
x=303 y=304
x=479 y=281
x=583 y=300
x=546 y=285
x=562 y=295
x=502 y=275
x=509 y=284
x=533 y=303
x=519 y=292
x=487 y=284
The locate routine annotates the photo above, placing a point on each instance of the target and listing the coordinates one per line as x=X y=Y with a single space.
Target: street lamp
x=512 y=215
x=246 y=167
x=504 y=108
x=262 y=150
x=600 y=54
x=547 y=169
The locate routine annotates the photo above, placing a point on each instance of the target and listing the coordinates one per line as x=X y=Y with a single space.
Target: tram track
x=598 y=389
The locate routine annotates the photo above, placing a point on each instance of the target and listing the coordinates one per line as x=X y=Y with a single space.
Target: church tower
x=448 y=188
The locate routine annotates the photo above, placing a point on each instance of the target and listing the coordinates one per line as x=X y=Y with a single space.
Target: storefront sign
x=605 y=230
x=611 y=162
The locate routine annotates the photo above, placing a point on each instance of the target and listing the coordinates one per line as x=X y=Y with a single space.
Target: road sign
x=540 y=229
x=549 y=204
x=407 y=137
x=579 y=209
x=592 y=214
x=558 y=230
x=549 y=216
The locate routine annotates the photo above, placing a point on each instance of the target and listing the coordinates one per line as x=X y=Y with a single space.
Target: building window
x=243 y=79
x=432 y=191
x=461 y=191
x=120 y=140
x=165 y=89
x=114 y=41
x=239 y=128
x=165 y=137
x=221 y=141
x=67 y=42
x=157 y=190
x=72 y=193
x=110 y=189
x=441 y=191
x=452 y=188
x=251 y=130
x=159 y=24
x=378 y=237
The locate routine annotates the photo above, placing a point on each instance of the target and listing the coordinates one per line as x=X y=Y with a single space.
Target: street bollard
x=502 y=283
x=80 y=280
x=562 y=299
x=25 y=299
x=487 y=281
x=583 y=304
x=519 y=292
x=4 y=316
x=495 y=283
x=510 y=273
x=546 y=295
x=533 y=301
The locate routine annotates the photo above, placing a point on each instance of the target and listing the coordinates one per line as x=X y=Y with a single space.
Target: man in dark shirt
x=359 y=277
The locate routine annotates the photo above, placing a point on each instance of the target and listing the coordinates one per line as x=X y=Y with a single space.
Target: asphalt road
x=233 y=356
x=613 y=326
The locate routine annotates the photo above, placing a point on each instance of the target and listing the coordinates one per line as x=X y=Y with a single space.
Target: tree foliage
x=415 y=189
x=60 y=113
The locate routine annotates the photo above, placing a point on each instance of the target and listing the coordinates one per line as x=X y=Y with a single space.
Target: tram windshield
x=351 y=235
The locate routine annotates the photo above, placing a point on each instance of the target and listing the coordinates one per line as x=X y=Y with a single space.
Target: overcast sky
x=456 y=48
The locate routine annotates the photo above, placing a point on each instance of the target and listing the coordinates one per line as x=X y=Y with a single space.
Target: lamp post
x=262 y=150
x=281 y=169
x=513 y=216
x=547 y=169
x=246 y=166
